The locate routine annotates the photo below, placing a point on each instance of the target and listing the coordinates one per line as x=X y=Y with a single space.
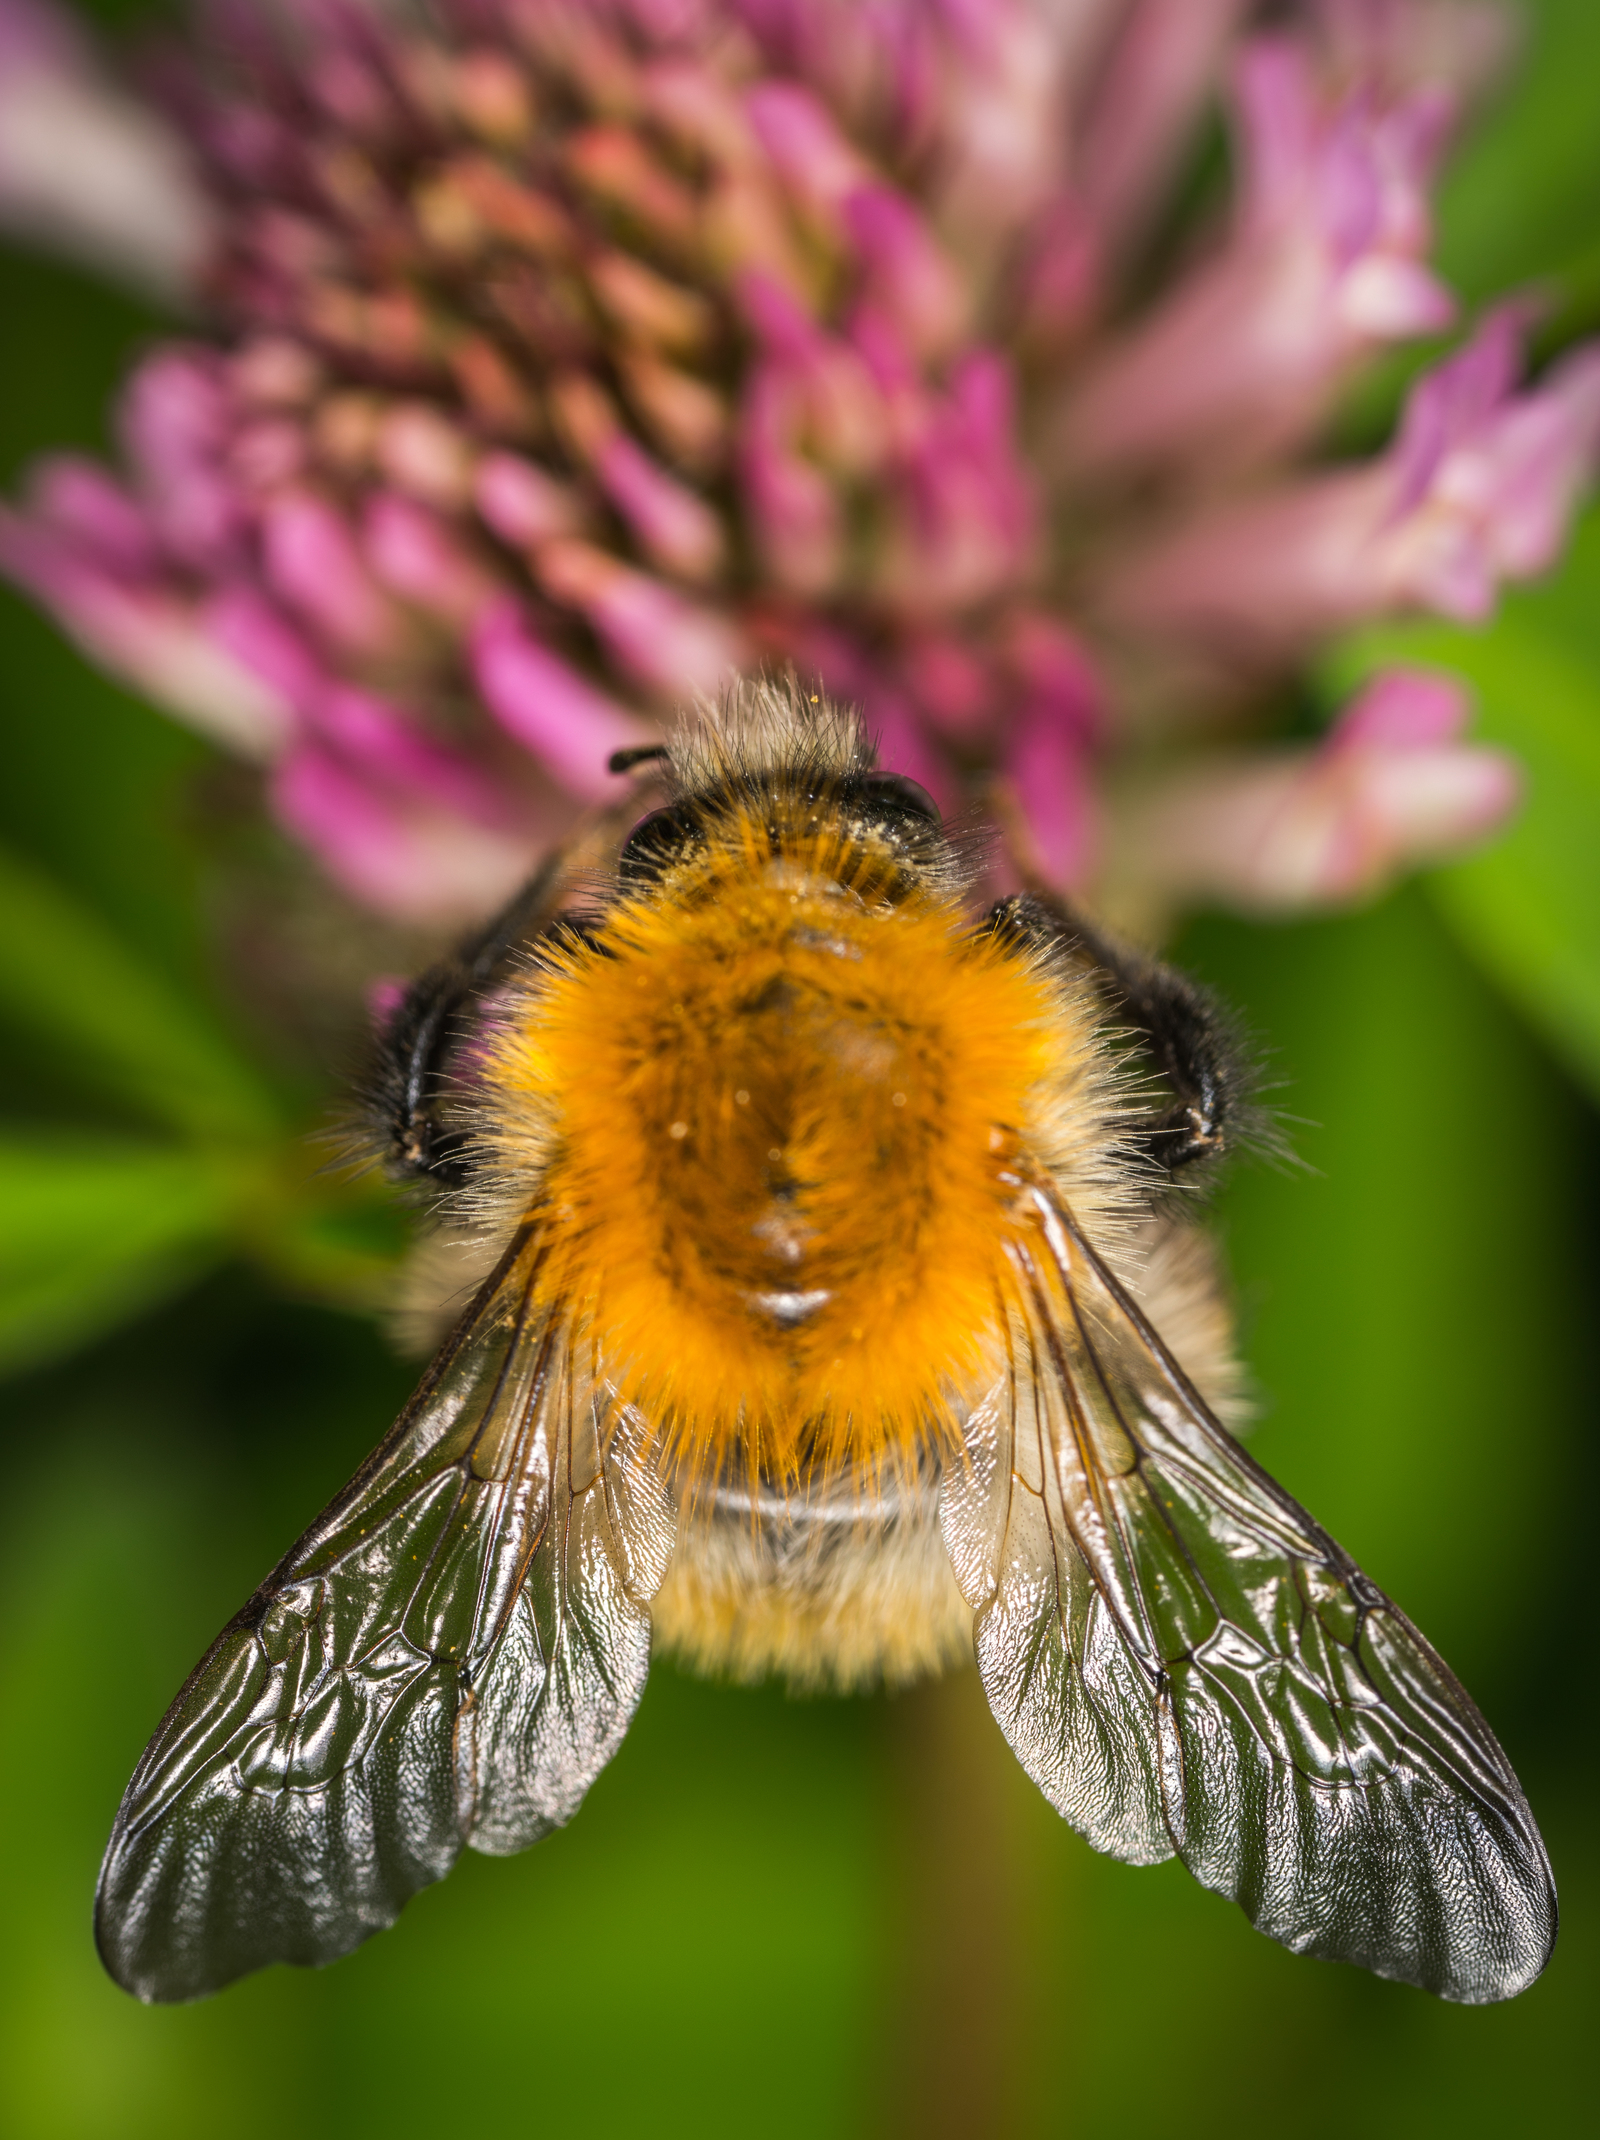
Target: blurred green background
x=777 y=1916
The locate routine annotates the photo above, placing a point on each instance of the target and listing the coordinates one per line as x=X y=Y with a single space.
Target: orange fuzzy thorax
x=777 y=1102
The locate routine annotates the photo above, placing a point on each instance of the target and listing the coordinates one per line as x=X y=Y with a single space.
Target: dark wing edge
x=1185 y=1662
x=447 y=1658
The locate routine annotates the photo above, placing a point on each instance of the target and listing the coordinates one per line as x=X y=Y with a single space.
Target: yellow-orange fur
x=770 y=1118
x=787 y=1075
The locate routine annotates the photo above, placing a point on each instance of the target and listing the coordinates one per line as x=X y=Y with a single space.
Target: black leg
x=407 y=1090
x=1190 y=1041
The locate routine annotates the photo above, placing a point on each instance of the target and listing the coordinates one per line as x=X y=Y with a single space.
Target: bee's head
x=772 y=761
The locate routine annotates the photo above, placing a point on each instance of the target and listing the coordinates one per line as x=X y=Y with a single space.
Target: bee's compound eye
x=654 y=842
x=898 y=799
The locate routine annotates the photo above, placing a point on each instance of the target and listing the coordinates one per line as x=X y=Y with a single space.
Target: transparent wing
x=449 y=1656
x=1184 y=1662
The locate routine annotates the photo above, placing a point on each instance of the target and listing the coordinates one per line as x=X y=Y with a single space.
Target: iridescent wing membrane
x=449 y=1656
x=1185 y=1663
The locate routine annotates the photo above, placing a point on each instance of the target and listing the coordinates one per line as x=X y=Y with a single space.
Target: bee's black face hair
x=889 y=804
x=892 y=798
x=657 y=841
x=624 y=761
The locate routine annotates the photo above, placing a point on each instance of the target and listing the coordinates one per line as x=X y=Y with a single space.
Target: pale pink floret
x=1457 y=45
x=83 y=504
x=549 y=708
x=1485 y=479
x=393 y=846
x=402 y=821
x=176 y=424
x=977 y=89
x=85 y=167
x=796 y=512
x=84 y=554
x=1390 y=787
x=1049 y=762
x=652 y=632
x=1009 y=70
x=1478 y=489
x=813 y=161
x=1327 y=263
x=421 y=557
x=314 y=561
x=1157 y=79
x=674 y=524
x=524 y=504
x=963 y=515
x=908 y=281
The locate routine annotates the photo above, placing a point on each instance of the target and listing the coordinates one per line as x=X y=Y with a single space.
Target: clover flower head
x=554 y=358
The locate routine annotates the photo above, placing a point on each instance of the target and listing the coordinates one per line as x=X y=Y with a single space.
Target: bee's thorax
x=777 y=1093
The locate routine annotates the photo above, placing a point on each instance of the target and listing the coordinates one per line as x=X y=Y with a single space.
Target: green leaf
x=94 y=1229
x=1528 y=905
x=67 y=978
x=1521 y=201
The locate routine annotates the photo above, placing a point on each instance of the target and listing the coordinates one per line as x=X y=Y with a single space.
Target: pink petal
x=152 y=636
x=905 y=272
x=1450 y=404
x=421 y=557
x=95 y=513
x=1244 y=354
x=1262 y=580
x=1404 y=709
x=673 y=523
x=1389 y=788
x=1049 y=776
x=379 y=740
x=551 y=710
x=174 y=421
x=313 y=561
x=667 y=641
x=1053 y=670
x=522 y=503
x=422 y=452
x=952 y=686
x=259 y=636
x=401 y=857
x=1163 y=66
x=817 y=165
x=1392 y=300
x=796 y=510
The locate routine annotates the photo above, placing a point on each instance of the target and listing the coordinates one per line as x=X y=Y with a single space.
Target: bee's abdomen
x=845 y=1589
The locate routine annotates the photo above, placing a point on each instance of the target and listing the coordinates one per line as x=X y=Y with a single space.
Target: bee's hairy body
x=834 y=1317
x=770 y=1102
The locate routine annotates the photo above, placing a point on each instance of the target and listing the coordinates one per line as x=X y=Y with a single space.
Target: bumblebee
x=837 y=1314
